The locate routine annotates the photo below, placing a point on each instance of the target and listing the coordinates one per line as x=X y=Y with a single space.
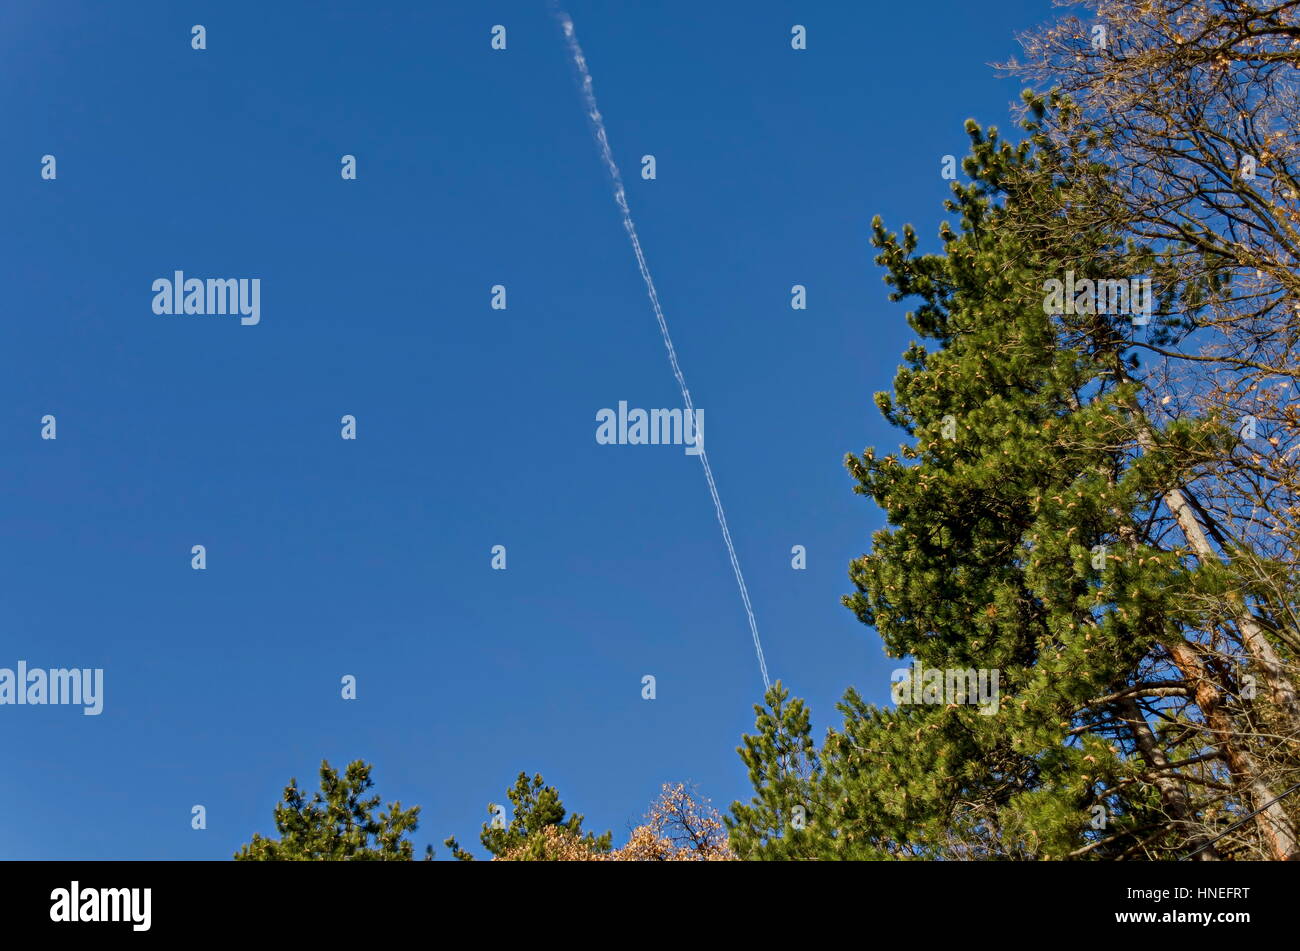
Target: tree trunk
x=1273 y=821
x=1172 y=793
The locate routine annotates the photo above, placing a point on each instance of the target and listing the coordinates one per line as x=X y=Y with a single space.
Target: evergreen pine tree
x=535 y=807
x=781 y=821
x=336 y=824
x=1032 y=532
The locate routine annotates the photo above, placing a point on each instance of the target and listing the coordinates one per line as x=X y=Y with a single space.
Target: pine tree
x=783 y=768
x=1016 y=472
x=536 y=808
x=337 y=824
x=1032 y=532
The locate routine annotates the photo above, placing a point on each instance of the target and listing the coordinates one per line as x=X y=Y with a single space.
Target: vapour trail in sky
x=620 y=196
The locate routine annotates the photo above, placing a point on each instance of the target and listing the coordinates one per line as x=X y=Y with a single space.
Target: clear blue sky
x=475 y=427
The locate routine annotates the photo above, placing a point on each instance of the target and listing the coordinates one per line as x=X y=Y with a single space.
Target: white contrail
x=598 y=125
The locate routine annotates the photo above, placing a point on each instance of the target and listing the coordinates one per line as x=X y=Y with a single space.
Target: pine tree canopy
x=1037 y=530
x=336 y=824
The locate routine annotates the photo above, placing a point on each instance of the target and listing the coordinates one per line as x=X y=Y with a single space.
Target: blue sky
x=476 y=427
